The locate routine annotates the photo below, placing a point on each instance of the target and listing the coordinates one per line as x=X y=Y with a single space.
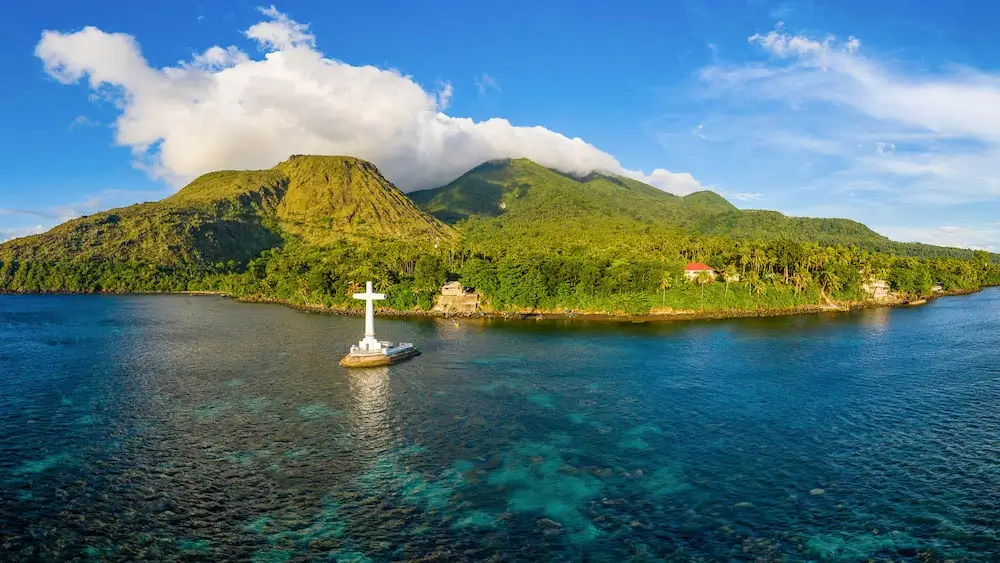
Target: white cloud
x=980 y=238
x=8 y=233
x=281 y=32
x=936 y=135
x=743 y=196
x=885 y=148
x=226 y=110
x=484 y=83
x=680 y=183
x=82 y=121
x=444 y=95
x=27 y=213
x=90 y=204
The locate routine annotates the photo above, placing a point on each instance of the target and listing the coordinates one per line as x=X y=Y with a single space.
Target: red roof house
x=692 y=270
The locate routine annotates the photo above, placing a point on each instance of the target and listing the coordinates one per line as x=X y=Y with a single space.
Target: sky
x=884 y=112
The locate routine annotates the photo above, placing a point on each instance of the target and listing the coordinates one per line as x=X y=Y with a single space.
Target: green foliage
x=429 y=273
x=911 y=277
x=235 y=215
x=332 y=196
x=312 y=230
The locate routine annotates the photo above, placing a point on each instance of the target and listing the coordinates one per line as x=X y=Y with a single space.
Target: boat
x=371 y=352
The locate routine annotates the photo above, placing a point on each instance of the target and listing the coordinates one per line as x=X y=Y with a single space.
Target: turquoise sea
x=175 y=428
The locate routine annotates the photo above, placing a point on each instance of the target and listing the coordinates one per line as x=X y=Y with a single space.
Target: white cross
x=370 y=299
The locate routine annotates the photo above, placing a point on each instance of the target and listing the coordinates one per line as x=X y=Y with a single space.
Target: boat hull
x=376 y=360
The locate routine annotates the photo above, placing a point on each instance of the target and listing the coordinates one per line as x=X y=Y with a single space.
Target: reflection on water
x=370 y=388
x=877 y=319
x=182 y=428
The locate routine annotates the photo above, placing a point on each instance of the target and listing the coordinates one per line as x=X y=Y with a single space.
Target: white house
x=877 y=289
x=694 y=269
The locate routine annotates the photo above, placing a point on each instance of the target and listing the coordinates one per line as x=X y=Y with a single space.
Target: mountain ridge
x=522 y=195
x=236 y=215
x=312 y=229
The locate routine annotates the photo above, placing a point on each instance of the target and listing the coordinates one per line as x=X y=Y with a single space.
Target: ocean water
x=173 y=428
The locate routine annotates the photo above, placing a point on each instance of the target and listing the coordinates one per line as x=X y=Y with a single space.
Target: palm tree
x=729 y=272
x=759 y=288
x=829 y=281
x=745 y=255
x=352 y=288
x=800 y=280
x=665 y=282
x=703 y=278
x=757 y=260
x=770 y=262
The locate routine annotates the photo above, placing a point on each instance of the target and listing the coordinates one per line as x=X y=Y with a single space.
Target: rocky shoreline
x=542 y=315
x=536 y=315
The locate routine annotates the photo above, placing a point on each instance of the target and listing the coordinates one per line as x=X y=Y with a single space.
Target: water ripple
x=165 y=428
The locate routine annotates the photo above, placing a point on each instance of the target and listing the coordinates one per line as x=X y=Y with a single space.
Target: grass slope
x=235 y=215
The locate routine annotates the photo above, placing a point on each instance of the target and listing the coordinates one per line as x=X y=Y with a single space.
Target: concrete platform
x=375 y=360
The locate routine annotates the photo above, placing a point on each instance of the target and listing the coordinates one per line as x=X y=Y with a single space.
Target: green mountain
x=524 y=199
x=313 y=229
x=755 y=223
x=521 y=190
x=235 y=215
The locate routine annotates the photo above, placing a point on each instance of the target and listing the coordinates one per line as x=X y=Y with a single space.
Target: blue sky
x=884 y=112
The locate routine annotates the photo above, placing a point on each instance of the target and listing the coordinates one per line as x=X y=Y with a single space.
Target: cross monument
x=369 y=343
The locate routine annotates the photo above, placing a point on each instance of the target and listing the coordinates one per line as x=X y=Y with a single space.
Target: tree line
x=642 y=276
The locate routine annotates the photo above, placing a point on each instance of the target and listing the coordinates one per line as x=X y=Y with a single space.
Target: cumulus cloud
x=226 y=109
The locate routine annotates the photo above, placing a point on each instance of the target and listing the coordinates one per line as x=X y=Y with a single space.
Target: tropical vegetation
x=312 y=230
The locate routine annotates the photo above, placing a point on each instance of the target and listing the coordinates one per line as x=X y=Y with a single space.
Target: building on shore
x=876 y=288
x=695 y=269
x=456 y=298
x=452 y=289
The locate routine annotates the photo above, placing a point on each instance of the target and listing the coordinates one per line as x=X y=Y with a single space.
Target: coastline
x=540 y=315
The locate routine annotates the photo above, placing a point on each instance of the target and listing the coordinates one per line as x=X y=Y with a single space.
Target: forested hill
x=313 y=229
x=235 y=215
x=526 y=199
x=519 y=190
